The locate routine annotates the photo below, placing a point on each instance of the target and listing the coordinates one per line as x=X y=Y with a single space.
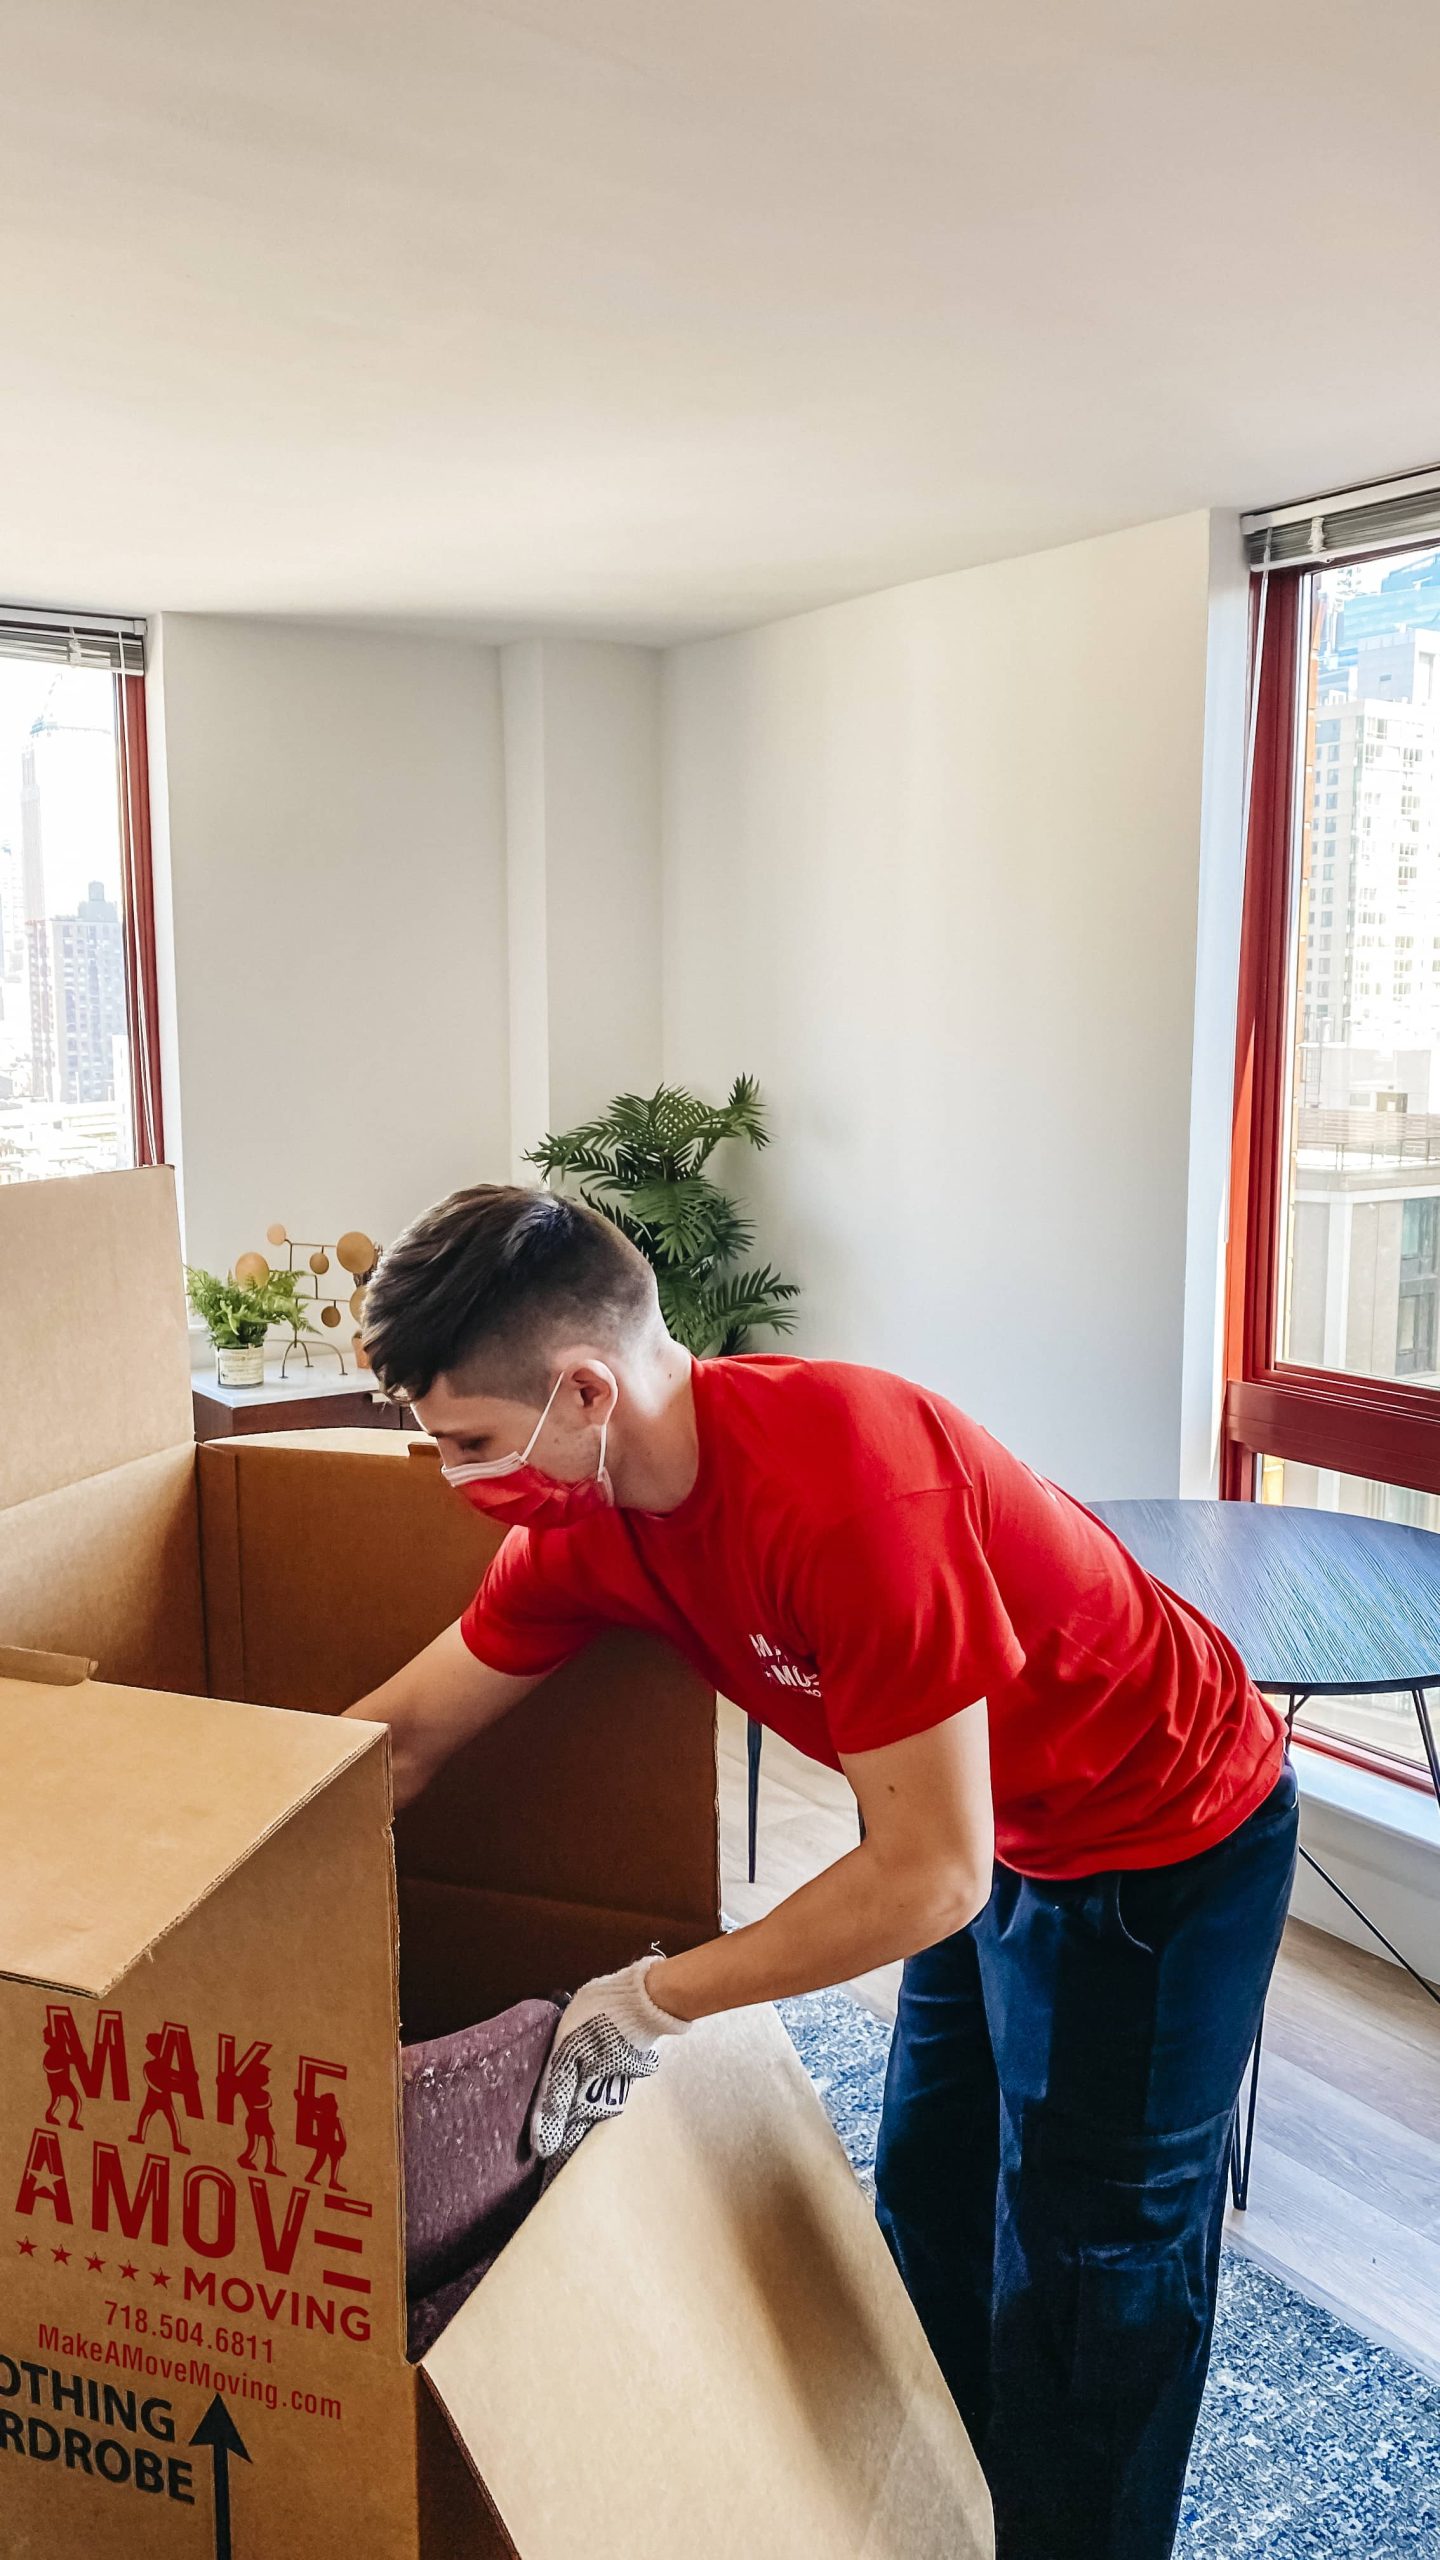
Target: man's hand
x=439 y=1701
x=605 y=2042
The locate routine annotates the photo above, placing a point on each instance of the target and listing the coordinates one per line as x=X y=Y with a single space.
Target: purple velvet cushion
x=470 y=2175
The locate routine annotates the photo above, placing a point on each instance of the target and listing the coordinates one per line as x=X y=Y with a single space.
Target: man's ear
x=598 y=1386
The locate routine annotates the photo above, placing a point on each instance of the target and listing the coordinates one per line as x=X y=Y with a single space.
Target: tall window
x=77 y=1082
x=1334 y=1343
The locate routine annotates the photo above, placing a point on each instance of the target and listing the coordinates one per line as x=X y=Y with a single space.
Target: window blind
x=1344 y=523
x=73 y=639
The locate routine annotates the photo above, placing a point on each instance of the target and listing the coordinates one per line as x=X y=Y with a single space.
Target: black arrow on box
x=218 y=2430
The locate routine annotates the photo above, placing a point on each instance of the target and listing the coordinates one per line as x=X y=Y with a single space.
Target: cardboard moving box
x=696 y=2342
x=299 y=1571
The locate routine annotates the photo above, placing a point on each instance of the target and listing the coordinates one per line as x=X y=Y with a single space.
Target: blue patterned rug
x=1312 y=2445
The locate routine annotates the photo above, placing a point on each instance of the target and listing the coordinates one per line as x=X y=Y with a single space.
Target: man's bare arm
x=439 y=1700
x=922 y=1871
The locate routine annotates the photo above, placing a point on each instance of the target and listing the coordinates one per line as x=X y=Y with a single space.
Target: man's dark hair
x=500 y=1274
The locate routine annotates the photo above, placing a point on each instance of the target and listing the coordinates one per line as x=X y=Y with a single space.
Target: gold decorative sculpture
x=355 y=1254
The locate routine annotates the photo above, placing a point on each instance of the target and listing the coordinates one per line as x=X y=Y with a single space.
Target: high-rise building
x=32 y=833
x=77 y=1001
x=43 y=1063
x=32 y=908
x=1372 y=947
x=12 y=913
x=1407 y=599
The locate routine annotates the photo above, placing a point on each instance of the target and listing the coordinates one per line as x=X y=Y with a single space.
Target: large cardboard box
x=299 y=1571
x=696 y=2341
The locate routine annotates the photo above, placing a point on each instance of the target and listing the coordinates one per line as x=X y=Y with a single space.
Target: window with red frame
x=79 y=1085
x=1334 y=1333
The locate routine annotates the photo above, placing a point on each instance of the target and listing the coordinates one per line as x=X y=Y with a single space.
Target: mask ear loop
x=544 y=1418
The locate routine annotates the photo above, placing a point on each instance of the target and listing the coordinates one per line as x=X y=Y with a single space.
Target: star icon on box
x=129 y=2271
x=61 y=2257
x=159 y=2276
x=95 y=2265
x=26 y=2248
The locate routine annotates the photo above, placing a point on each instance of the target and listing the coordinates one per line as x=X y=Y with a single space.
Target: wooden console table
x=308 y=1400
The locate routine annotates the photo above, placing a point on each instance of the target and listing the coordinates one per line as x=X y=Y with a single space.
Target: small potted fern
x=237 y=1315
x=643 y=1167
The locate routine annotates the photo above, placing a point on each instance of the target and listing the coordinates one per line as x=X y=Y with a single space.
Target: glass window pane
x=64 y=1036
x=1376 y=1723
x=1362 y=1187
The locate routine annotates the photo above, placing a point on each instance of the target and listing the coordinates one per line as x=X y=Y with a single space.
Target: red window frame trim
x=138 y=920
x=1253 y=1268
x=1376 y=1428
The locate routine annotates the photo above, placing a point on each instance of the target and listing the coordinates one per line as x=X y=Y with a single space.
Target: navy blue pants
x=1051 y=2173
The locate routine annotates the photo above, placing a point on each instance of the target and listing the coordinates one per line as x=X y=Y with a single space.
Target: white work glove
x=606 y=2040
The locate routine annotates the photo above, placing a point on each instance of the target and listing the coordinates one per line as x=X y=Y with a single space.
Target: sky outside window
x=64 y=1073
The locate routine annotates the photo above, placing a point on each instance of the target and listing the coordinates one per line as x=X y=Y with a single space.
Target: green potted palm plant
x=237 y=1314
x=643 y=1166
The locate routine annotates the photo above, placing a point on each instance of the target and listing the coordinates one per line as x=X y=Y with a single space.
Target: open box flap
x=342 y=1439
x=97 y=1363
x=697 y=2342
x=123 y=1808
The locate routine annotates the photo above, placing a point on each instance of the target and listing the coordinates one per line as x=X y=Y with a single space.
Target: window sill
x=1363 y=1795
x=1380 y=1840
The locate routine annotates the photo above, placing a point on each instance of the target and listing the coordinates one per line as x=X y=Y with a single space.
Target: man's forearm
x=922 y=1871
x=416 y=1755
x=860 y=1913
x=433 y=1706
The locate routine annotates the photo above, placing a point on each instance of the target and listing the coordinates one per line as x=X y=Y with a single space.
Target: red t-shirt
x=857 y=1561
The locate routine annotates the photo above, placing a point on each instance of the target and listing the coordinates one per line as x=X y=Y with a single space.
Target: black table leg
x=1423 y=1712
x=1373 y=1926
x=1427 y=1736
x=1240 y=2148
x=754 y=1736
x=1241 y=2145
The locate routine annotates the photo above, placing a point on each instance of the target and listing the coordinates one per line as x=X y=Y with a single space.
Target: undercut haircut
x=501 y=1276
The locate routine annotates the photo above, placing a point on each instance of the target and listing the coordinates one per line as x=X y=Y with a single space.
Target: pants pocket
x=1127 y=1896
x=1139 y=2314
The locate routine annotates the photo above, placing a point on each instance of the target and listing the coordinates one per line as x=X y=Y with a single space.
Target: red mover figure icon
x=323 y=2133
x=60 y=2070
x=253 y=2089
x=163 y=2082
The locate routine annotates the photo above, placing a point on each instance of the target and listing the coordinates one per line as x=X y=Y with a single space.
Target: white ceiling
x=660 y=316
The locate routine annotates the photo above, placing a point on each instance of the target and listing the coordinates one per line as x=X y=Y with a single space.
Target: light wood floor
x=1345 y=2188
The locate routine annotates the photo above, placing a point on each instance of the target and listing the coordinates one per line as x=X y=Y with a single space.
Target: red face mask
x=512 y=1490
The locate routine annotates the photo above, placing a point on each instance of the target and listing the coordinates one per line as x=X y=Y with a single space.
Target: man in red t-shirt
x=1078 y=1826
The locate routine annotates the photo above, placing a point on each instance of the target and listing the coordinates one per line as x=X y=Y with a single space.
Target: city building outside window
x=1333 y=1339
x=78 y=1077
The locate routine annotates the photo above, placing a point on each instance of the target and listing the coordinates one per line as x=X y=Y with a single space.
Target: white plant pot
x=245 y=1368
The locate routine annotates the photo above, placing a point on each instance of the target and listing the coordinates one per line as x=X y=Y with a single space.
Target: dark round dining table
x=1316 y=1604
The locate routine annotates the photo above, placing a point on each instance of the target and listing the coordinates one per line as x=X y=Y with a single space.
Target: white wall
x=1217 y=979
x=582 y=767
x=931 y=868
x=329 y=819
x=932 y=871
